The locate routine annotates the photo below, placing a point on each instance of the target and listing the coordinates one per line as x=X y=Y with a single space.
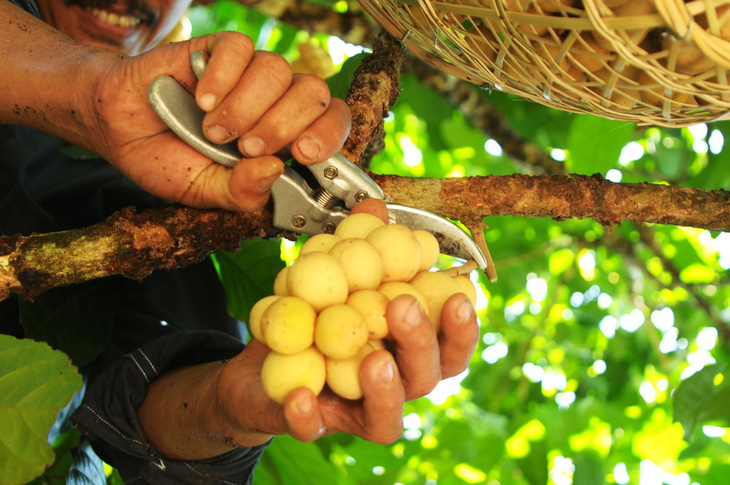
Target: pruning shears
x=307 y=199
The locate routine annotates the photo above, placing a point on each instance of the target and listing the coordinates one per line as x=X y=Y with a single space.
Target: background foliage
x=604 y=349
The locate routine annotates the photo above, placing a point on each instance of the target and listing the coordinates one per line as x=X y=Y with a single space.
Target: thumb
x=249 y=183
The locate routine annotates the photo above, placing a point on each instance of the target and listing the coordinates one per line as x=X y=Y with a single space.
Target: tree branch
x=562 y=197
x=128 y=243
x=372 y=93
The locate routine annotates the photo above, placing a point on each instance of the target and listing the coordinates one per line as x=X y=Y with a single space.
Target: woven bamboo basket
x=651 y=62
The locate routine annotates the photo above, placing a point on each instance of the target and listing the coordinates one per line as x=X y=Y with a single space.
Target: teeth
x=113 y=18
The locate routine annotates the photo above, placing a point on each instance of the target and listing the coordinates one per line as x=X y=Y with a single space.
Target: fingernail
x=207 y=102
x=387 y=372
x=269 y=173
x=464 y=311
x=265 y=184
x=309 y=147
x=414 y=314
x=218 y=134
x=252 y=146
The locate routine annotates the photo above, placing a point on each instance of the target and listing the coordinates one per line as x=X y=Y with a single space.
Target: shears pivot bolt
x=298 y=221
x=330 y=172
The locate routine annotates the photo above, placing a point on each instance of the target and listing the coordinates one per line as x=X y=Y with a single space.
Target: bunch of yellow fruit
x=328 y=309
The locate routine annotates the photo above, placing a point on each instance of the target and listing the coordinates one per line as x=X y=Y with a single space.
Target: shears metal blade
x=307 y=199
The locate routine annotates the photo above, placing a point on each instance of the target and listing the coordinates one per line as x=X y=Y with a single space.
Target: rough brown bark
x=128 y=243
x=372 y=93
x=135 y=244
x=562 y=197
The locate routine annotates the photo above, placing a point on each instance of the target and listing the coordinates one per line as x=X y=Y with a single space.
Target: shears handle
x=298 y=205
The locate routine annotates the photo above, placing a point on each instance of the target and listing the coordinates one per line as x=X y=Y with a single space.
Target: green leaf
x=76 y=320
x=595 y=144
x=77 y=153
x=697 y=273
x=699 y=399
x=588 y=469
x=62 y=447
x=36 y=382
x=560 y=261
x=339 y=84
x=248 y=274
x=291 y=462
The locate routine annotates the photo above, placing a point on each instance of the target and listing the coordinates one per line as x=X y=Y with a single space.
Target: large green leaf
x=36 y=382
x=291 y=462
x=339 y=84
x=700 y=398
x=248 y=274
x=595 y=144
x=716 y=174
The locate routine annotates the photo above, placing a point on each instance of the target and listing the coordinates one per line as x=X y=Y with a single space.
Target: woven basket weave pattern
x=661 y=62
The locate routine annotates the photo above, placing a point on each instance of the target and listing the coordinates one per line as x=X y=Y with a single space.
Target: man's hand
x=234 y=410
x=250 y=96
x=420 y=361
x=97 y=99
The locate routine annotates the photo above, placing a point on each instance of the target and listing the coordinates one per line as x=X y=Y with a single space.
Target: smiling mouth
x=115 y=19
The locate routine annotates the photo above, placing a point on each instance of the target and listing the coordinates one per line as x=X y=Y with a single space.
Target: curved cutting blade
x=452 y=239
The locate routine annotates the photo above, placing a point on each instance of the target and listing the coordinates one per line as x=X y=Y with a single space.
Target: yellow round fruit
x=343 y=375
x=429 y=247
x=319 y=243
x=393 y=289
x=254 y=316
x=437 y=287
x=361 y=262
x=282 y=373
x=340 y=331
x=468 y=287
x=358 y=225
x=288 y=325
x=280 y=282
x=318 y=279
x=372 y=305
x=400 y=250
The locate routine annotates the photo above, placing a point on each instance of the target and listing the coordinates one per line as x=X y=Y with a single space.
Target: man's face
x=128 y=26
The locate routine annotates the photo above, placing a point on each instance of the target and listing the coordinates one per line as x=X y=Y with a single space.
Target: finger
x=251 y=180
x=266 y=78
x=459 y=334
x=325 y=136
x=302 y=415
x=306 y=100
x=230 y=54
x=383 y=398
x=375 y=207
x=243 y=188
x=417 y=350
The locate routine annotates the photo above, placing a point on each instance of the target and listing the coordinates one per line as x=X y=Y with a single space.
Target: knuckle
x=277 y=68
x=315 y=88
x=388 y=436
x=238 y=43
x=423 y=387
